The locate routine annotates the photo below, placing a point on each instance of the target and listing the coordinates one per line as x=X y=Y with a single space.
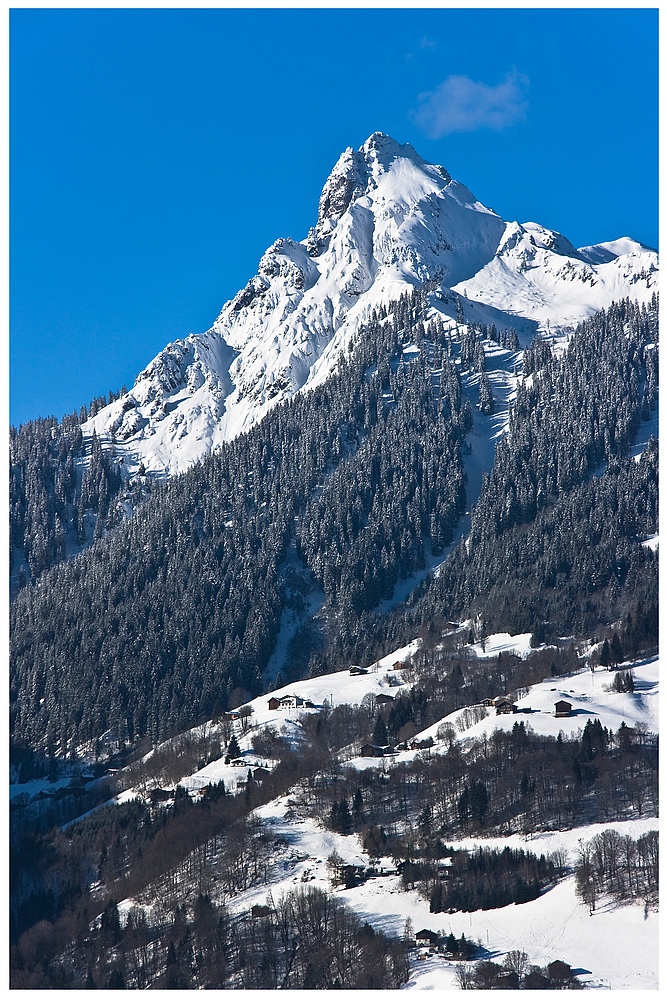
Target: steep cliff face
x=387 y=221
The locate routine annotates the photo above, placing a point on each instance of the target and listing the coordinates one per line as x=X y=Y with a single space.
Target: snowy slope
x=554 y=926
x=538 y=274
x=557 y=924
x=588 y=693
x=388 y=221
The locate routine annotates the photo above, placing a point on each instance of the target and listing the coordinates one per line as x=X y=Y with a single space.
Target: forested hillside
x=177 y=611
x=64 y=491
x=349 y=488
x=555 y=536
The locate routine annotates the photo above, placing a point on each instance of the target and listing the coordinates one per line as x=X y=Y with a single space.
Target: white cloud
x=464 y=105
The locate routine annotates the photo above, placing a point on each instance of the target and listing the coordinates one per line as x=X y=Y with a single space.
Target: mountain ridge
x=388 y=221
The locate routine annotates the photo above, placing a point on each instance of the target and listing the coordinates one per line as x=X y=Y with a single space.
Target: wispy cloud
x=464 y=105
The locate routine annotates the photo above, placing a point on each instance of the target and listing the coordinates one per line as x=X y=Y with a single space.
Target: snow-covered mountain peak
x=603 y=253
x=387 y=221
x=383 y=170
x=547 y=239
x=380 y=150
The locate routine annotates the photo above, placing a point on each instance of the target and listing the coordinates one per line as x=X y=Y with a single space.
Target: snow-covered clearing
x=616 y=947
x=554 y=926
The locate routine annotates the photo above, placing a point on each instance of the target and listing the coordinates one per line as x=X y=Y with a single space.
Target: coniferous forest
x=554 y=535
x=343 y=492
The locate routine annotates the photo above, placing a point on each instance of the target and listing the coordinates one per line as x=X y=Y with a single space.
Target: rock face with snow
x=387 y=221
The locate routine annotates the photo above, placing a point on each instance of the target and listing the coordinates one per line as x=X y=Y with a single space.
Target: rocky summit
x=387 y=222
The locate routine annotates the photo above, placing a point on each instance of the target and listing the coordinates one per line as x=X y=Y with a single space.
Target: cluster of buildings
x=289 y=701
x=505 y=706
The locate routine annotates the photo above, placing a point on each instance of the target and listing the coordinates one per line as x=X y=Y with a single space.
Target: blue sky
x=155 y=154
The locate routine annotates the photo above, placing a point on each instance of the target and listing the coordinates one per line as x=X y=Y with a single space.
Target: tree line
x=513 y=780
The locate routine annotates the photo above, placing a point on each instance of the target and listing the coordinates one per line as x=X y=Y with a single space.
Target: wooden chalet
x=504 y=706
x=383 y=699
x=424 y=744
x=535 y=981
x=357 y=671
x=352 y=875
x=559 y=972
x=427 y=938
x=371 y=750
x=507 y=980
x=562 y=709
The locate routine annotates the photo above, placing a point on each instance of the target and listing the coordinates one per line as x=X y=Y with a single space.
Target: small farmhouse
x=562 y=709
x=351 y=875
x=357 y=671
x=426 y=937
x=508 y=980
x=559 y=972
x=535 y=981
x=371 y=750
x=504 y=706
x=161 y=794
x=424 y=744
x=384 y=699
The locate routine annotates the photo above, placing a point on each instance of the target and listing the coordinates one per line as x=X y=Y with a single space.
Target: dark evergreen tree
x=233 y=748
x=380 y=731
